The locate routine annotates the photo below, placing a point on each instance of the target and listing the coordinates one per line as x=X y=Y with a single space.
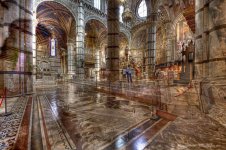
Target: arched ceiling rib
x=54 y=18
x=95 y=29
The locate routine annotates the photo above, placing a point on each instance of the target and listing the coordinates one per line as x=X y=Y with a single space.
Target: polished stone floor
x=92 y=120
x=76 y=116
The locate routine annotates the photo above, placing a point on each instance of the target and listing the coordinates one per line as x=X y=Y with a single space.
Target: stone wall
x=210 y=56
x=16 y=46
x=55 y=62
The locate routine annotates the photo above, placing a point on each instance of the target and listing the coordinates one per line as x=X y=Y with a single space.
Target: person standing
x=129 y=74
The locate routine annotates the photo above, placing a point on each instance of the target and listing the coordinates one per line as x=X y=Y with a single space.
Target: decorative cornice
x=93 y=10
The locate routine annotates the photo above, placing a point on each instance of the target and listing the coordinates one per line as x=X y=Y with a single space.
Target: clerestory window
x=97 y=4
x=142 y=9
x=121 y=9
x=53 y=47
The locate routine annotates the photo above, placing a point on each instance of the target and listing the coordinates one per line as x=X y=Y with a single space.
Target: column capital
x=153 y=16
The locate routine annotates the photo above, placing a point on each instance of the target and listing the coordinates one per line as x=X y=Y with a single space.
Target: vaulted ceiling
x=54 y=20
x=94 y=30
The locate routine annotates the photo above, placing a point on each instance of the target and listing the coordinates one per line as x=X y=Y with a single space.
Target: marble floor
x=92 y=120
x=76 y=116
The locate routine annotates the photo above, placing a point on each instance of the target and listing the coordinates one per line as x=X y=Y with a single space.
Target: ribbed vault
x=54 y=19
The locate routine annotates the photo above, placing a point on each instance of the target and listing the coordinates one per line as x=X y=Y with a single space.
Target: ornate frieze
x=90 y=10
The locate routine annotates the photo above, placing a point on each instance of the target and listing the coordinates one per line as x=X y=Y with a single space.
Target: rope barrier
x=3 y=97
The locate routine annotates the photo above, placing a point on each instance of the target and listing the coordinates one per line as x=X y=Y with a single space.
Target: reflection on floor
x=92 y=120
x=75 y=116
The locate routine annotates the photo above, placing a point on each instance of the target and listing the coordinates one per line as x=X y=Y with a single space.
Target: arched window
x=121 y=9
x=53 y=47
x=97 y=4
x=142 y=9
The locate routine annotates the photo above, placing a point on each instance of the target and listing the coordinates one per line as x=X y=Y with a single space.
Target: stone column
x=151 y=55
x=112 y=59
x=97 y=63
x=71 y=59
x=210 y=45
x=151 y=45
x=169 y=44
x=34 y=49
x=169 y=50
x=2 y=38
x=80 y=35
x=64 y=63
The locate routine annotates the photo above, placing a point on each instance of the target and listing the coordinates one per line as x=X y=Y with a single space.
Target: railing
x=3 y=97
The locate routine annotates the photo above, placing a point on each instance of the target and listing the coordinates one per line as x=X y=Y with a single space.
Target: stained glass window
x=53 y=47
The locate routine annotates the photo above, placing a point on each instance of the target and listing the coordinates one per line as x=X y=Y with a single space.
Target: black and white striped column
x=151 y=45
x=80 y=51
x=112 y=59
x=71 y=59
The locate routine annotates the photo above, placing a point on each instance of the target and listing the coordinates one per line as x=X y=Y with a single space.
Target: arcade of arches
x=113 y=74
